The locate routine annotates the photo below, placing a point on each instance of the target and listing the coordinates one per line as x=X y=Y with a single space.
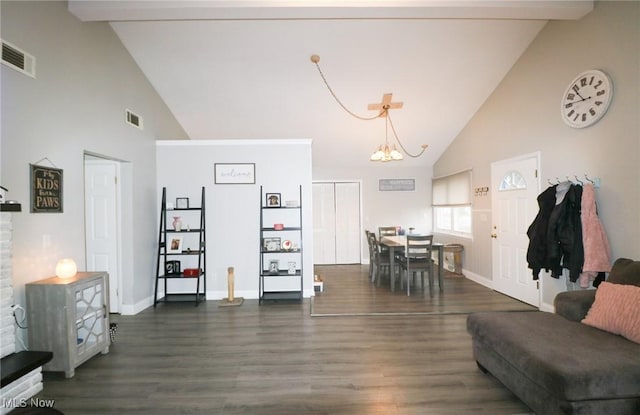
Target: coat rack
x=576 y=180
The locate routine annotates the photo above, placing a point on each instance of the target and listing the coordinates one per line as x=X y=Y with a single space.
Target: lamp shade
x=66 y=268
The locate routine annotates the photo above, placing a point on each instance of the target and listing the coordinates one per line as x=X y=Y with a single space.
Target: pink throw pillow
x=616 y=309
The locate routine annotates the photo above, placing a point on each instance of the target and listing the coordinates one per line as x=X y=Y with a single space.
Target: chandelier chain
x=340 y=102
x=393 y=129
x=383 y=153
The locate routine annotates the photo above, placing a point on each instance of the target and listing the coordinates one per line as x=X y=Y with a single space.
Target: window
x=513 y=180
x=452 y=203
x=456 y=220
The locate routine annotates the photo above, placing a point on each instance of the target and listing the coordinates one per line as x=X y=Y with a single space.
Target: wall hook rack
x=595 y=181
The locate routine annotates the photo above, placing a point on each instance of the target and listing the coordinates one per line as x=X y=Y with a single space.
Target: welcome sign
x=46 y=189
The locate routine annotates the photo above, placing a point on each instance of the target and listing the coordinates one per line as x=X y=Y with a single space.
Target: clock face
x=586 y=99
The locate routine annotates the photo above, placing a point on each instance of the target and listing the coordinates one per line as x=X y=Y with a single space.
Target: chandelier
x=384 y=152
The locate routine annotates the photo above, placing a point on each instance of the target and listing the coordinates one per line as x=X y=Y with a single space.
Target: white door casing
x=515 y=185
x=101 y=224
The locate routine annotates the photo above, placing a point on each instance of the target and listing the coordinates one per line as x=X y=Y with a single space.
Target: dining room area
x=407 y=274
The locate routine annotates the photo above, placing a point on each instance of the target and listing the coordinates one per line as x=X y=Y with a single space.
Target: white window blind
x=452 y=190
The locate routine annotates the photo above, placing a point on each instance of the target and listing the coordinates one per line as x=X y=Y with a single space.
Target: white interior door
x=348 y=236
x=101 y=216
x=324 y=223
x=515 y=185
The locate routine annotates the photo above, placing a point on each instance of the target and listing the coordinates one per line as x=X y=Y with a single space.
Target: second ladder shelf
x=281 y=266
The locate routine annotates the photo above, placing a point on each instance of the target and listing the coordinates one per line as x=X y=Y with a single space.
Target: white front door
x=101 y=216
x=515 y=186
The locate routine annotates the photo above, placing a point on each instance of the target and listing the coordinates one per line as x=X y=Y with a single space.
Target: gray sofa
x=557 y=365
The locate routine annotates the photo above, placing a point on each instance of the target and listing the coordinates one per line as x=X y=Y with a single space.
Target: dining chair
x=386 y=231
x=379 y=260
x=371 y=256
x=417 y=258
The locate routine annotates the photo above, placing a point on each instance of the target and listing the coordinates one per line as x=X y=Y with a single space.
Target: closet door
x=336 y=223
x=348 y=235
x=324 y=223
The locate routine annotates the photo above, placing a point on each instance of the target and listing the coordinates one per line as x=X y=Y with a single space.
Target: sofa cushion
x=625 y=271
x=616 y=310
x=572 y=361
x=574 y=305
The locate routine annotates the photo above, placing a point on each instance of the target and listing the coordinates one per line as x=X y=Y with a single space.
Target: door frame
x=88 y=159
x=537 y=157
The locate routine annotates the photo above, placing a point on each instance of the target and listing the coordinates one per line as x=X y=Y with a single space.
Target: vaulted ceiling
x=242 y=69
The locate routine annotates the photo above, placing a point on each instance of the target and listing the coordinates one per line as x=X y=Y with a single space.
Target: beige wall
x=522 y=116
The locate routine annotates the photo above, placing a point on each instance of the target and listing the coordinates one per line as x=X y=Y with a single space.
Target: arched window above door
x=512 y=180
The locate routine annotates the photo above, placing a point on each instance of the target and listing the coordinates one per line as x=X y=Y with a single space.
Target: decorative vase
x=177 y=223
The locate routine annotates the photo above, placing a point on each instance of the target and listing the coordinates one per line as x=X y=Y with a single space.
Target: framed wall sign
x=46 y=189
x=397 y=185
x=235 y=173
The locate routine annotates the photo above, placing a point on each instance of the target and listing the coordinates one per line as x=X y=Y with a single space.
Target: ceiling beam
x=141 y=10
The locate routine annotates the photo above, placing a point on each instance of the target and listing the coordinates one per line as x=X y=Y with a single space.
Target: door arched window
x=512 y=180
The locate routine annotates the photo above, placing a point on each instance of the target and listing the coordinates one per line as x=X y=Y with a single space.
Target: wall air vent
x=18 y=59
x=134 y=119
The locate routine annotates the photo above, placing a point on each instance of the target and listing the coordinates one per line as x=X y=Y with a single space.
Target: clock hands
x=582 y=98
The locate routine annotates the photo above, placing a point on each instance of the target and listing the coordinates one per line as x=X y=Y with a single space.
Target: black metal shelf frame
x=265 y=274
x=163 y=254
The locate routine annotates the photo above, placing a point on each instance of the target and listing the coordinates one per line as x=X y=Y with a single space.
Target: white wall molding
x=238 y=142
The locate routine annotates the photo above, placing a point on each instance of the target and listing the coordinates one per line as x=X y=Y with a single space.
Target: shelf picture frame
x=172 y=267
x=271 y=244
x=273 y=200
x=234 y=173
x=274 y=266
x=182 y=203
x=174 y=245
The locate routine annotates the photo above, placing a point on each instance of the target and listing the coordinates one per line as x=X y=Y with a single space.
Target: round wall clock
x=586 y=99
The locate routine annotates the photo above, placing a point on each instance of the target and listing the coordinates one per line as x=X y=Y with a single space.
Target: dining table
x=397 y=242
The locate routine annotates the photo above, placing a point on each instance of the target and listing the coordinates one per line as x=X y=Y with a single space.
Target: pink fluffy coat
x=597 y=255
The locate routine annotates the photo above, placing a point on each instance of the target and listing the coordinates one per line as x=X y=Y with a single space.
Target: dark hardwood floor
x=349 y=291
x=276 y=359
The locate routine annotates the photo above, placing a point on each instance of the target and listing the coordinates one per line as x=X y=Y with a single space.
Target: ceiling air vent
x=134 y=119
x=18 y=59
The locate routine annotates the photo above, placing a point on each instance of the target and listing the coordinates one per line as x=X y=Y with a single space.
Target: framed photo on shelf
x=273 y=200
x=174 y=245
x=172 y=268
x=182 y=203
x=292 y=268
x=274 y=266
x=271 y=244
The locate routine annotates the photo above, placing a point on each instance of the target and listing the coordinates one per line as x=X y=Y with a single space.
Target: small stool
x=318 y=283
